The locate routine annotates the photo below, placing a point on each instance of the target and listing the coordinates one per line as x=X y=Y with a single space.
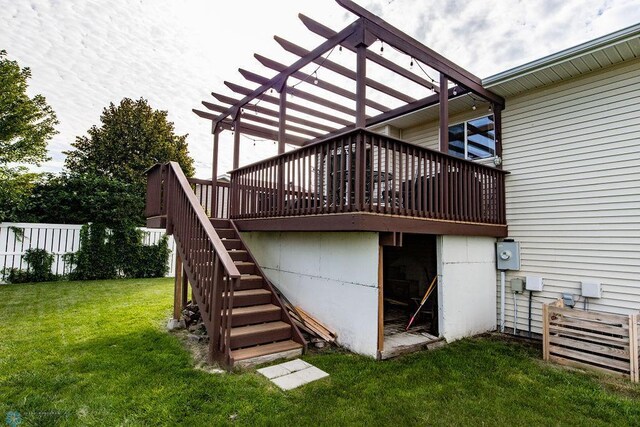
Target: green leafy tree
x=26 y=124
x=84 y=198
x=16 y=188
x=132 y=138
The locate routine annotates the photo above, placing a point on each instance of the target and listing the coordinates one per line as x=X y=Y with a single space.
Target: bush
x=39 y=263
x=115 y=253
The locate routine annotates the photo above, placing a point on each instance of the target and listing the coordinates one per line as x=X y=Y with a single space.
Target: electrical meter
x=508 y=255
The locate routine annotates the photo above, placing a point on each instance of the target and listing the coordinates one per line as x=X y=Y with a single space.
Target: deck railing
x=362 y=171
x=215 y=203
x=207 y=264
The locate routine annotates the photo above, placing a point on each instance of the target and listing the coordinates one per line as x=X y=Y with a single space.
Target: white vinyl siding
x=573 y=195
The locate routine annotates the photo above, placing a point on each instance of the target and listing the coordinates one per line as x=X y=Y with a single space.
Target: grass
x=96 y=353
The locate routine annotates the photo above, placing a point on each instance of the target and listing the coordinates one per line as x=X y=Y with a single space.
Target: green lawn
x=96 y=353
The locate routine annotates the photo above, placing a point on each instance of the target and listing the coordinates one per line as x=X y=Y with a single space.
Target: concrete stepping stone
x=292 y=374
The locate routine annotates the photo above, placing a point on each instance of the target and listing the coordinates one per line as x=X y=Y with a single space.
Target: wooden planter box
x=589 y=339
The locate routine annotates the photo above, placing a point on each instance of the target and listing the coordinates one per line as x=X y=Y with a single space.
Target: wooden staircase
x=260 y=327
x=241 y=311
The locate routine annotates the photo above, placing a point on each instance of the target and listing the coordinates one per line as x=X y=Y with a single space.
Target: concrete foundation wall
x=333 y=276
x=467 y=290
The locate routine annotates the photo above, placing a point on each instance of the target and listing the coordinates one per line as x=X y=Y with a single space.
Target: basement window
x=473 y=139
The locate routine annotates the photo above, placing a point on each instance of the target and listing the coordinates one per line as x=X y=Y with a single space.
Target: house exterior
x=360 y=223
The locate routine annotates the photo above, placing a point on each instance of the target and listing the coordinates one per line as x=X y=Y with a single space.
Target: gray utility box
x=508 y=255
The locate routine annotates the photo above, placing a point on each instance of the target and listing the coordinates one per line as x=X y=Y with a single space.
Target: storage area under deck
x=409 y=271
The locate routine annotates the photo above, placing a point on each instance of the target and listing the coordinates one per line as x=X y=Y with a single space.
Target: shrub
x=39 y=263
x=119 y=252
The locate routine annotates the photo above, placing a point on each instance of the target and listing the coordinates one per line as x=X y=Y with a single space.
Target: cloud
x=84 y=55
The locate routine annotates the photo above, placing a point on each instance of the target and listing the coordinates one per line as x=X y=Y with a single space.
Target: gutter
x=621 y=36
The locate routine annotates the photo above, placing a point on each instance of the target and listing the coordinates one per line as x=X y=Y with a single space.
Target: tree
x=26 y=124
x=83 y=198
x=132 y=138
x=16 y=187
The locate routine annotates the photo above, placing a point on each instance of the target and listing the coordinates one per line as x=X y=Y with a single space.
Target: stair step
x=220 y=223
x=245 y=267
x=226 y=233
x=232 y=244
x=249 y=281
x=239 y=255
x=248 y=297
x=241 y=316
x=264 y=350
x=245 y=336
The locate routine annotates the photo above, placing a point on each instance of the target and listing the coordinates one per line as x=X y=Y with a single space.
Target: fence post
x=633 y=348
x=545 y=332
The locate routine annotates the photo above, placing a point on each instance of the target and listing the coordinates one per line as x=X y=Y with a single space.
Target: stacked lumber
x=310 y=325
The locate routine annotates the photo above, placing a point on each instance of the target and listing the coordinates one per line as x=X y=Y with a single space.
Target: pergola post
x=214 y=173
x=236 y=141
x=282 y=132
x=282 y=119
x=497 y=123
x=444 y=114
x=361 y=85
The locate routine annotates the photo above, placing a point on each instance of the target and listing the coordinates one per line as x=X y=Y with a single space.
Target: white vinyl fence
x=57 y=239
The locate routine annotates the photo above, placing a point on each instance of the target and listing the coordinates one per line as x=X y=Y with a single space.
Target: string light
x=490 y=109
x=315 y=72
x=455 y=92
x=474 y=105
x=381 y=47
x=411 y=65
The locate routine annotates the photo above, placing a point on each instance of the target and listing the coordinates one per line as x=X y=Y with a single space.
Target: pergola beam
x=256 y=78
x=250 y=129
x=405 y=109
x=276 y=81
x=292 y=105
x=407 y=44
x=262 y=132
x=327 y=32
x=344 y=71
x=265 y=121
x=267 y=112
x=276 y=66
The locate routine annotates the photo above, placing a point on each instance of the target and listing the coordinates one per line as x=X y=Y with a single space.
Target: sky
x=85 y=54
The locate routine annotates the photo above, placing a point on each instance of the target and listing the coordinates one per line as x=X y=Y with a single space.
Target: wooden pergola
x=338 y=109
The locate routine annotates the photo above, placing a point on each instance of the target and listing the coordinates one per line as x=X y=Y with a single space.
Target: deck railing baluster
x=360 y=171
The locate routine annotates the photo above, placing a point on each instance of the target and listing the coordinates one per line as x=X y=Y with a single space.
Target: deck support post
x=185 y=289
x=444 y=114
x=177 y=294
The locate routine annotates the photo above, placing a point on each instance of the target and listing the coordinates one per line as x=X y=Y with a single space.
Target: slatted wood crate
x=588 y=339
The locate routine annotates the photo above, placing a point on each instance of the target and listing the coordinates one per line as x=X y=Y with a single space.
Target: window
x=473 y=139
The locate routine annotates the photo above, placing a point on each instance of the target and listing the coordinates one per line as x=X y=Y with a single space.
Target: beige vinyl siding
x=573 y=196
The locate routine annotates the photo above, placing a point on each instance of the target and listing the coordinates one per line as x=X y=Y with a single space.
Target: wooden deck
x=361 y=180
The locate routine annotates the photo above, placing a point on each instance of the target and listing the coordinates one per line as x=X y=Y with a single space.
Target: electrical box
x=534 y=283
x=568 y=300
x=592 y=289
x=517 y=285
x=508 y=255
